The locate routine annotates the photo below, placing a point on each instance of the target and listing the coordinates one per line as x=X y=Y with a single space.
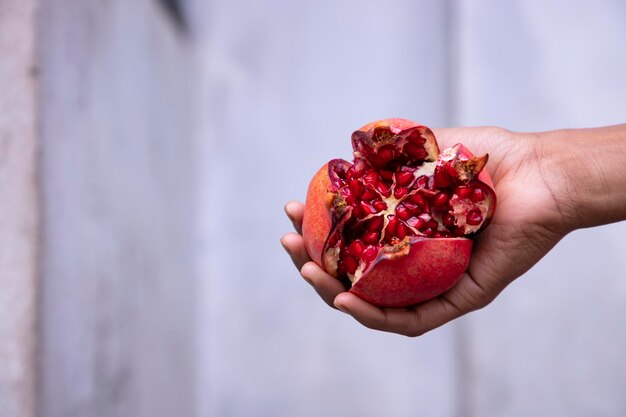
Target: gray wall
x=285 y=84
x=553 y=343
x=18 y=208
x=153 y=212
x=118 y=189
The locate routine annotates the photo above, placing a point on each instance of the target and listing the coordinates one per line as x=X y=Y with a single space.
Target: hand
x=529 y=220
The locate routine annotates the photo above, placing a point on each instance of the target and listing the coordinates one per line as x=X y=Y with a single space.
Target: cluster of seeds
x=393 y=192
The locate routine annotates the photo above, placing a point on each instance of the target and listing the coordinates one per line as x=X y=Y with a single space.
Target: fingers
x=466 y=296
x=294 y=246
x=295 y=211
x=417 y=320
x=327 y=286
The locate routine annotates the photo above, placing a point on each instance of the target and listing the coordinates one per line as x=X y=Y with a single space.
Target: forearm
x=586 y=171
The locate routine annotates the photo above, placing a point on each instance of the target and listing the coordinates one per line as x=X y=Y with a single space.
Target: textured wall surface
x=553 y=343
x=118 y=211
x=18 y=208
x=157 y=168
x=285 y=85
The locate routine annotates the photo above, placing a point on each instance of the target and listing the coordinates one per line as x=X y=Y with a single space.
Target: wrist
x=585 y=169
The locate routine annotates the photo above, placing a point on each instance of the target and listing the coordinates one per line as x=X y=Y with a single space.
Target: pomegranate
x=396 y=224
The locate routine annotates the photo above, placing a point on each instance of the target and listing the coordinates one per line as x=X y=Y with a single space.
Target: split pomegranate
x=396 y=224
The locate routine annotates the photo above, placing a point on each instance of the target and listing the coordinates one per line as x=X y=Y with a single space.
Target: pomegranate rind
x=317 y=222
x=431 y=267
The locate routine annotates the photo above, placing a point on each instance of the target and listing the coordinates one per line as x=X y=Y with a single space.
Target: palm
x=520 y=234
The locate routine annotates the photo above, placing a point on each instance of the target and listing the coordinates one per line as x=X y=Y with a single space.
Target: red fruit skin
x=432 y=267
x=317 y=221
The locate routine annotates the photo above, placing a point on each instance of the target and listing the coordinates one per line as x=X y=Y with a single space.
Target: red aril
x=397 y=223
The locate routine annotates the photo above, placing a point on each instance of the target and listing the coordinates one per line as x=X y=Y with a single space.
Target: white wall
x=167 y=156
x=118 y=186
x=285 y=84
x=553 y=343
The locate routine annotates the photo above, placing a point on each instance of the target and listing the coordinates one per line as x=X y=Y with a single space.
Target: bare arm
x=586 y=171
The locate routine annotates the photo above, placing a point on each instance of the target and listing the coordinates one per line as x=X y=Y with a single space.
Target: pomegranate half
x=396 y=224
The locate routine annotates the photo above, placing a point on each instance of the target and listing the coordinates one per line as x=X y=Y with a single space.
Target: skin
x=548 y=184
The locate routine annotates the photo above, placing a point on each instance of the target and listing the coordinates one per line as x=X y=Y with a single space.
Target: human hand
x=531 y=217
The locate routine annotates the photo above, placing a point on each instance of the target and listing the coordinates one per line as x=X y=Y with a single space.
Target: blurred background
x=147 y=149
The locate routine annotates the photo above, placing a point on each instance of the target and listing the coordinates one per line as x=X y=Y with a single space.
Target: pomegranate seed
x=422 y=182
x=371 y=178
x=428 y=232
x=415 y=151
x=400 y=192
x=403 y=178
x=463 y=191
x=369 y=194
x=451 y=171
x=355 y=248
x=375 y=225
x=386 y=152
x=473 y=217
x=356 y=170
x=383 y=189
x=368 y=208
x=401 y=231
x=432 y=224
x=477 y=195
x=441 y=179
x=402 y=213
x=448 y=220
x=416 y=139
x=441 y=234
x=380 y=205
x=370 y=253
x=356 y=187
x=350 y=263
x=440 y=200
x=416 y=222
x=418 y=199
x=357 y=212
x=386 y=175
x=371 y=237
x=390 y=230
x=412 y=207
